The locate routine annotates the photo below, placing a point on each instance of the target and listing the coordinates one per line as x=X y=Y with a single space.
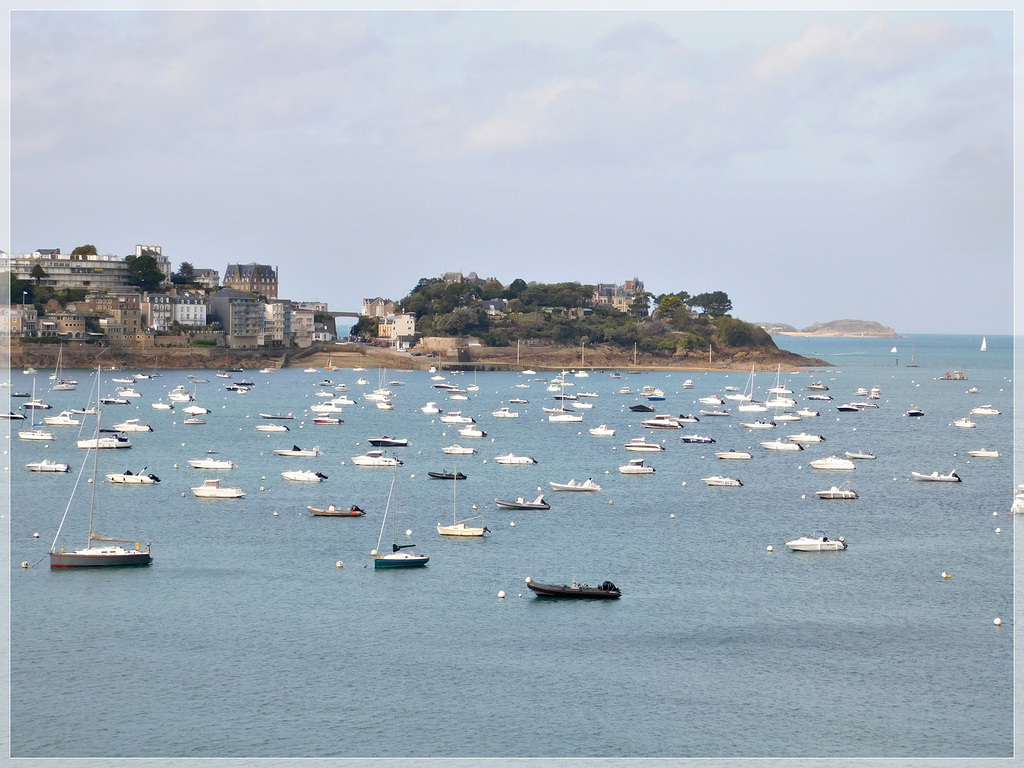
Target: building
x=619 y=297
x=378 y=307
x=277 y=323
x=157 y=253
x=207 y=278
x=190 y=309
x=96 y=271
x=398 y=330
x=157 y=311
x=303 y=324
x=240 y=315
x=257 y=279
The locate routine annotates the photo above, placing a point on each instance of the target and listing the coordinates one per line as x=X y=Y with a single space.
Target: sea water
x=247 y=638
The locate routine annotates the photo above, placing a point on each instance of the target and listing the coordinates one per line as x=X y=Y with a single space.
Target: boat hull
x=400 y=560
x=574 y=591
x=100 y=557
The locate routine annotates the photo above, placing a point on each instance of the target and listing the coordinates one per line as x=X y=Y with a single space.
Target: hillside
x=833 y=328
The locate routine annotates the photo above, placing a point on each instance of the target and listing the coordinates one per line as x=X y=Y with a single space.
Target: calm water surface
x=245 y=639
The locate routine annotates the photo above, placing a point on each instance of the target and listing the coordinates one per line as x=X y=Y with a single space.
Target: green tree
x=365 y=328
x=144 y=272
x=84 y=250
x=38 y=273
x=641 y=304
x=669 y=305
x=715 y=303
x=186 y=274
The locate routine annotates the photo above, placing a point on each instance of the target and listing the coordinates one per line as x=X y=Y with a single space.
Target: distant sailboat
x=984 y=344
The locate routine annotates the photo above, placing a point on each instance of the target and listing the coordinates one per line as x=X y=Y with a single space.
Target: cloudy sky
x=813 y=165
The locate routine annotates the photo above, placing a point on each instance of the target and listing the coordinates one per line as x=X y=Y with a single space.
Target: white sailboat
x=108 y=550
x=60 y=384
x=459 y=527
x=396 y=558
x=984 y=344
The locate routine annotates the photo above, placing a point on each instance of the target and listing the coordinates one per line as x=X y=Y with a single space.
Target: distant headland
x=853 y=328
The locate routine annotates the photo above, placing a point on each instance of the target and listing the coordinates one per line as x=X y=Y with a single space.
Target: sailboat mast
x=95 y=458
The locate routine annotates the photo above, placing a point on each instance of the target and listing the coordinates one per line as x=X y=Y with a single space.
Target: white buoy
x=672 y=516
x=997 y=621
x=995 y=514
x=35 y=535
x=24 y=564
x=512 y=524
x=528 y=580
x=339 y=564
x=183 y=494
x=771 y=548
x=373 y=552
x=998 y=530
x=89 y=480
x=684 y=483
x=803 y=495
x=501 y=595
x=475 y=506
x=275 y=513
x=408 y=531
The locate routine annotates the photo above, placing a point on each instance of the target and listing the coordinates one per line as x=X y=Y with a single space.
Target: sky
x=814 y=165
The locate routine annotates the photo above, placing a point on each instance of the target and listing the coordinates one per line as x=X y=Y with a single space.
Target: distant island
x=833 y=328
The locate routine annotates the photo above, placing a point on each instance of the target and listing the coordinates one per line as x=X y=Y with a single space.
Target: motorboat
x=128 y=392
x=817 y=386
x=195 y=410
x=688 y=384
x=511 y=458
x=180 y=395
x=807 y=413
x=721 y=481
x=965 y=423
x=860 y=455
x=106 y=440
x=781 y=445
x=505 y=413
x=457 y=450
x=296 y=451
x=277 y=416
x=733 y=454
x=984 y=410
x=641 y=408
x=572 y=485
x=836 y=493
x=522 y=503
x=935 y=477
x=652 y=393
x=161 y=406
x=131 y=478
x=518 y=401
x=605 y=591
x=332 y=511
x=272 y=428
x=914 y=411
x=636 y=467
x=849 y=408
x=376 y=458
x=327 y=420
x=212 y=489
x=326 y=407
x=446 y=475
x=786 y=416
x=759 y=424
x=984 y=453
x=697 y=439
x=304 y=475
x=602 y=431
x=641 y=444
x=133 y=425
x=209 y=462
x=822 y=398
x=35 y=404
x=687 y=419
x=803 y=437
x=661 y=422
x=714 y=412
x=430 y=408
x=471 y=430
x=36 y=434
x=752 y=406
x=817 y=544
x=48 y=466
x=63 y=419
x=833 y=462
x=384 y=441
x=565 y=417
x=711 y=400
x=193 y=420
x=456 y=417
x=973 y=391
x=12 y=416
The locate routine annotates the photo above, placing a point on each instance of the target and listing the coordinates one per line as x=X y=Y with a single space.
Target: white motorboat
x=430 y=408
x=376 y=458
x=326 y=407
x=661 y=422
x=823 y=398
x=272 y=428
x=195 y=410
x=133 y=425
x=303 y=475
x=641 y=444
x=180 y=395
x=471 y=430
x=697 y=439
x=63 y=419
x=193 y=420
x=132 y=478
x=211 y=463
x=212 y=489
x=803 y=437
x=714 y=412
x=636 y=467
x=836 y=493
x=511 y=458
x=572 y=485
x=721 y=481
x=111 y=401
x=984 y=453
x=817 y=544
x=327 y=420
x=36 y=434
x=505 y=413
x=759 y=424
x=602 y=431
x=833 y=462
x=858 y=455
x=48 y=466
x=984 y=410
x=161 y=406
x=106 y=441
x=711 y=400
x=296 y=451
x=522 y=503
x=935 y=477
x=807 y=413
x=781 y=445
x=914 y=411
x=456 y=417
x=565 y=417
x=752 y=406
x=817 y=386
x=964 y=423
x=733 y=454
x=128 y=392
x=457 y=450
